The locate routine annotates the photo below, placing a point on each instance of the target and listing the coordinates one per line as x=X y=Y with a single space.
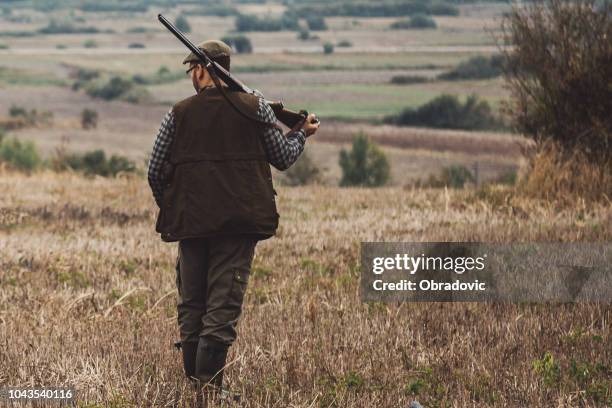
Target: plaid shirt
x=281 y=151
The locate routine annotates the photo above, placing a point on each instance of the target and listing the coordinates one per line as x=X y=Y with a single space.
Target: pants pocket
x=240 y=280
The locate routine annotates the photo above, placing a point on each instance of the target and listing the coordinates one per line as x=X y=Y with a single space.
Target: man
x=210 y=175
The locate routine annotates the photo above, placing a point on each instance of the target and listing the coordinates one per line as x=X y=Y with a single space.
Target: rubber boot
x=189 y=358
x=210 y=361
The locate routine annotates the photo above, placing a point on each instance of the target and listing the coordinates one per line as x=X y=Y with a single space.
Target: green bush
x=447 y=112
x=418 y=21
x=328 y=48
x=288 y=21
x=408 y=79
x=19 y=155
x=478 y=67
x=385 y=8
x=455 y=176
x=113 y=89
x=63 y=27
x=32 y=117
x=89 y=119
x=95 y=163
x=344 y=44
x=97 y=6
x=240 y=43
x=162 y=76
x=90 y=44
x=316 y=23
x=443 y=9
x=136 y=45
x=139 y=30
x=365 y=165
x=302 y=172
x=218 y=10
x=422 y=21
x=182 y=24
x=303 y=35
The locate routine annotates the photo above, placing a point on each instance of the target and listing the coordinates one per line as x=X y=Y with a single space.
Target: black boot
x=189 y=358
x=210 y=361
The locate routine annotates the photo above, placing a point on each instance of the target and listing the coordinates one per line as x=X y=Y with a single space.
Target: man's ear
x=202 y=73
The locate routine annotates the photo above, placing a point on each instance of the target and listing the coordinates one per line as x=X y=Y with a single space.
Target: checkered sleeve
x=160 y=154
x=282 y=151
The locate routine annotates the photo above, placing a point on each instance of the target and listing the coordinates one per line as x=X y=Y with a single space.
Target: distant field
x=135 y=61
x=351 y=85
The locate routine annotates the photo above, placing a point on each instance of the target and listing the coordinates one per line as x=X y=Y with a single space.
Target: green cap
x=214 y=49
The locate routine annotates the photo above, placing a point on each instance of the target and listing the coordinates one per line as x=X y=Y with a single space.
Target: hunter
x=210 y=176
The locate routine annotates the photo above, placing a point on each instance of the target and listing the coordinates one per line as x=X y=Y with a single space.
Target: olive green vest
x=220 y=181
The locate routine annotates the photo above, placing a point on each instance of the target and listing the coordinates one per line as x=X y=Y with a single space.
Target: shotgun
x=216 y=71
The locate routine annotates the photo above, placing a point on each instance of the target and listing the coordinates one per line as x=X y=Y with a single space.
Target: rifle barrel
x=222 y=73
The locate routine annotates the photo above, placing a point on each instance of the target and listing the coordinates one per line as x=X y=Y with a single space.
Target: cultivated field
x=88 y=299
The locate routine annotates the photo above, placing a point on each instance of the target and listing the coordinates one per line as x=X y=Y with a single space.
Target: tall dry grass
x=87 y=298
x=567 y=177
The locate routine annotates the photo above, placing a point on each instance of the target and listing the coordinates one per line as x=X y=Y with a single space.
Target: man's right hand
x=310 y=128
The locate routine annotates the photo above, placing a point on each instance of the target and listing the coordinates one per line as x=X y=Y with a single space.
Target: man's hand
x=309 y=127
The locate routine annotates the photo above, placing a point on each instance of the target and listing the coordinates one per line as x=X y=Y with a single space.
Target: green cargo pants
x=212 y=276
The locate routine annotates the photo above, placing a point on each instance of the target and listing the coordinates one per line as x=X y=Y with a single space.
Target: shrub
x=478 y=67
x=136 y=45
x=90 y=44
x=218 y=10
x=30 y=118
x=98 y=6
x=15 y=111
x=422 y=21
x=316 y=23
x=328 y=48
x=447 y=112
x=113 y=89
x=4 y=46
x=365 y=165
x=419 y=21
x=408 y=79
x=19 y=155
x=240 y=43
x=246 y=22
x=454 y=176
x=95 y=163
x=557 y=71
x=344 y=44
x=139 y=30
x=303 y=35
x=182 y=24
x=89 y=119
x=288 y=21
x=55 y=27
x=443 y=9
x=302 y=172
x=385 y=8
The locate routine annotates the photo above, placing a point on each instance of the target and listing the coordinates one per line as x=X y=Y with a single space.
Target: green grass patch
x=20 y=77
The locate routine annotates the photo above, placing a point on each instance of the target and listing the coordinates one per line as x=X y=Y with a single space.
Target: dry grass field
x=87 y=288
x=88 y=299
